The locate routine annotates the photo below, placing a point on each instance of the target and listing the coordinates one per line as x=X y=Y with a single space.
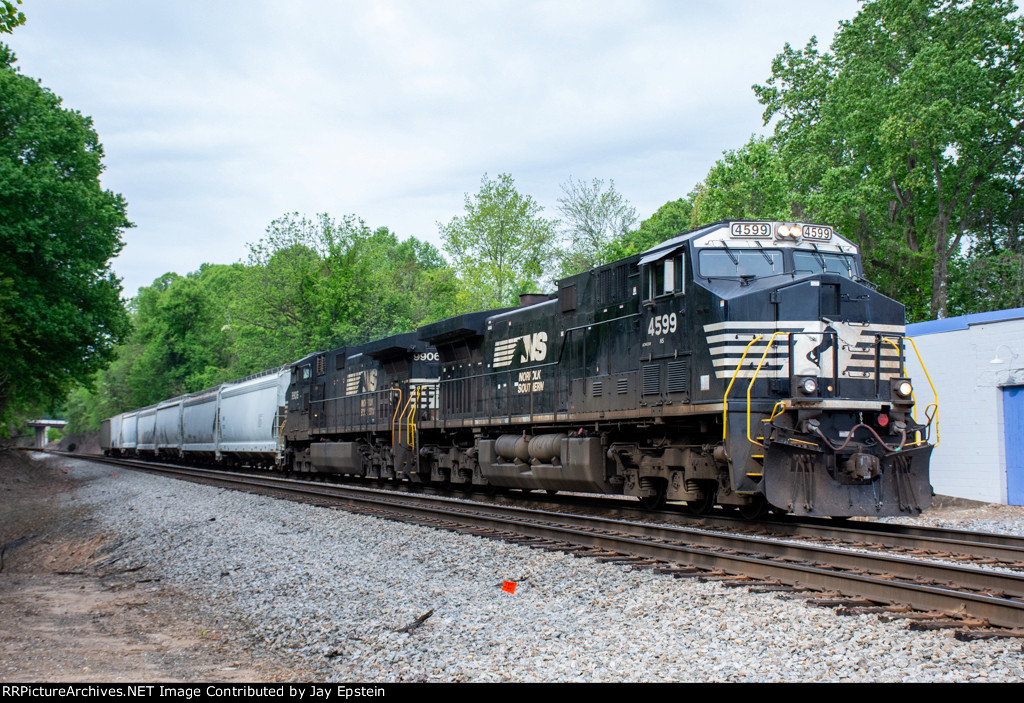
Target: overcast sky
x=218 y=116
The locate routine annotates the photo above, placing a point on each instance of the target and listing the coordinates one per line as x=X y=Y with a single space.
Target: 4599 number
x=662 y=324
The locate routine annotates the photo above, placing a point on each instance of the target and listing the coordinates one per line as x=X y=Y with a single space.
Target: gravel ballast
x=333 y=589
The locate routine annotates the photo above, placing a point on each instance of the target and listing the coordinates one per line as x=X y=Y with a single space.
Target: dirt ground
x=70 y=616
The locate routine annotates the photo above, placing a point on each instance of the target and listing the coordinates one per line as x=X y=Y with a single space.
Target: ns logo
x=529 y=347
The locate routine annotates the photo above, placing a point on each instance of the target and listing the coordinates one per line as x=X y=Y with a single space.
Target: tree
x=905 y=129
x=182 y=326
x=671 y=219
x=60 y=307
x=10 y=16
x=323 y=283
x=500 y=247
x=749 y=183
x=180 y=343
x=592 y=218
x=309 y=284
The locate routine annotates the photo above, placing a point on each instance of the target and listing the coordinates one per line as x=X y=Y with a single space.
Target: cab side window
x=664 y=277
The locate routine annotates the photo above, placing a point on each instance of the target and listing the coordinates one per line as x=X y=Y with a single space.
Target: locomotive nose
x=825 y=298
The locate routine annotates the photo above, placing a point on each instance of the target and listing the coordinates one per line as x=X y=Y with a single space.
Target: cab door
x=665 y=351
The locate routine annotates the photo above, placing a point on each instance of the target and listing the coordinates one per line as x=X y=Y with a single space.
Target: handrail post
x=754 y=378
x=935 y=393
x=394 y=416
x=725 y=399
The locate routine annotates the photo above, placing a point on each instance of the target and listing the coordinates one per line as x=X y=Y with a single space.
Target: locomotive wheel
x=653 y=502
x=754 y=510
x=702 y=506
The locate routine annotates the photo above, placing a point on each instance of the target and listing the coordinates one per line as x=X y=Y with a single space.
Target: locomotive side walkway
x=310 y=592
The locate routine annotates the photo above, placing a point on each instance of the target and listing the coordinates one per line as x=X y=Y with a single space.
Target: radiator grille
x=652 y=379
x=678 y=377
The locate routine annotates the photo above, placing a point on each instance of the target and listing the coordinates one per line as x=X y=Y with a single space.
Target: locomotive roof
x=833 y=241
x=394 y=345
x=309 y=357
x=677 y=240
x=466 y=325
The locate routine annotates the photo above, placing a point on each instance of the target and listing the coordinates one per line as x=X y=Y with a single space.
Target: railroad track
x=778 y=556
x=982 y=548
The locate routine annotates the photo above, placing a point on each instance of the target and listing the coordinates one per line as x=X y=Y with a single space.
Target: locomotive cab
x=807 y=361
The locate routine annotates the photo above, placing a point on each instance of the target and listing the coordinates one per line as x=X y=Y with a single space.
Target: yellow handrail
x=394 y=416
x=410 y=424
x=754 y=378
x=903 y=372
x=935 y=393
x=725 y=400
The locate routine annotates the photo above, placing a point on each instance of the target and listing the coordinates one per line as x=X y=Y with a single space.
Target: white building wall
x=969 y=461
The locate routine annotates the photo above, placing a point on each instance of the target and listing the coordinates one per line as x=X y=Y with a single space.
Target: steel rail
x=1006 y=548
x=974 y=545
x=797 y=565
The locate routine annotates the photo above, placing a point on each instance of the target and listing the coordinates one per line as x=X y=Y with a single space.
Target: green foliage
x=323 y=283
x=108 y=393
x=981 y=282
x=671 y=219
x=182 y=328
x=181 y=343
x=308 y=285
x=907 y=134
x=749 y=183
x=501 y=247
x=59 y=301
x=592 y=218
x=10 y=16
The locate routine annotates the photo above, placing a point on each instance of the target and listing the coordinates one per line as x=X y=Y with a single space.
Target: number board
x=818 y=232
x=751 y=229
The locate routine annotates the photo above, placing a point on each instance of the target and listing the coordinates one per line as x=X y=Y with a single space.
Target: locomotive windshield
x=732 y=263
x=757 y=263
x=820 y=262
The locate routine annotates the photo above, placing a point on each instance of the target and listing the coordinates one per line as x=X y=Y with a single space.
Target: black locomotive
x=745 y=364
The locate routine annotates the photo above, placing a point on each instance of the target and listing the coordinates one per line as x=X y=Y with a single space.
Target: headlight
x=788 y=232
x=904 y=389
x=809 y=386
